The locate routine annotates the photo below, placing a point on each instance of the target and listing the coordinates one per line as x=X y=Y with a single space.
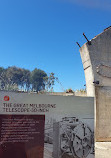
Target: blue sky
x=43 y=33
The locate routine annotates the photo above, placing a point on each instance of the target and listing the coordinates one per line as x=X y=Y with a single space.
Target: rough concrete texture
x=96 y=59
x=87 y=69
x=103 y=113
x=103 y=150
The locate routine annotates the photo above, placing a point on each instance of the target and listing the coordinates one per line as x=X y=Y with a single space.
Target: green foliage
x=38 y=79
x=3 y=79
x=50 y=81
x=14 y=78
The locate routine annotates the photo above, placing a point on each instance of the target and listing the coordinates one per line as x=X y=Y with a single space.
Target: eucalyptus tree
x=38 y=78
x=50 y=81
x=15 y=78
x=2 y=78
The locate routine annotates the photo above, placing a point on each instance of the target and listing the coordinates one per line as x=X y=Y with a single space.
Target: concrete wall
x=96 y=59
x=103 y=113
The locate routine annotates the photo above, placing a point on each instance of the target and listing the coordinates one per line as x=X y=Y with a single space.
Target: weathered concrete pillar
x=96 y=59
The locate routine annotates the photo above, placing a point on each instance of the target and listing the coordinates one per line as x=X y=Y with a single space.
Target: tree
x=15 y=78
x=26 y=79
x=18 y=76
x=38 y=78
x=2 y=78
x=50 y=81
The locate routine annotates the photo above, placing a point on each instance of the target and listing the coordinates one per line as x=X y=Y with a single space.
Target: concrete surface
x=103 y=114
x=103 y=150
x=96 y=59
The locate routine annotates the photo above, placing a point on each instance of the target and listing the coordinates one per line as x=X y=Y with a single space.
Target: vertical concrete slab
x=103 y=113
x=96 y=59
x=103 y=150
